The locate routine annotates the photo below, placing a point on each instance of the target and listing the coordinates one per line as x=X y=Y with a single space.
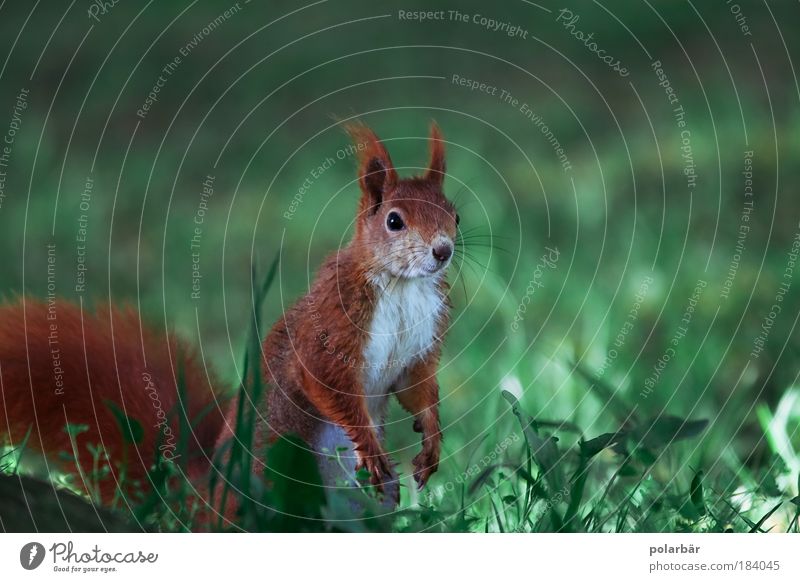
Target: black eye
x=394 y=222
x=458 y=220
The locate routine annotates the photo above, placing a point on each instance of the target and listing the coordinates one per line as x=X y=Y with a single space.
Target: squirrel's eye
x=394 y=222
x=458 y=220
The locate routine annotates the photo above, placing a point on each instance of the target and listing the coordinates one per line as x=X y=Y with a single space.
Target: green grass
x=531 y=481
x=597 y=436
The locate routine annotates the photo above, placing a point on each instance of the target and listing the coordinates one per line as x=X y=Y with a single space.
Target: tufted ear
x=436 y=166
x=376 y=174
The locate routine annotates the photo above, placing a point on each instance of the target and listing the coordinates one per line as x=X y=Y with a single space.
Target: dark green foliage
x=130 y=428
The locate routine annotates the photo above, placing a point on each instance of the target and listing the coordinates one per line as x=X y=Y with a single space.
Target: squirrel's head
x=405 y=227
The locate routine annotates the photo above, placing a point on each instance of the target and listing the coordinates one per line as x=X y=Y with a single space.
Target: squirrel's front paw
x=425 y=464
x=378 y=467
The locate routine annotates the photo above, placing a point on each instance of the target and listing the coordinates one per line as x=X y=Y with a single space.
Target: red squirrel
x=370 y=326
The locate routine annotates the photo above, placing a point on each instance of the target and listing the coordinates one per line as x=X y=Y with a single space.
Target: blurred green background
x=256 y=101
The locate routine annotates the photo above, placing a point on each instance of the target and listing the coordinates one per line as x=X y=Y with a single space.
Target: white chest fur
x=402 y=331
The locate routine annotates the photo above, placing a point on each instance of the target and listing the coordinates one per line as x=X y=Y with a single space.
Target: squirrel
x=370 y=326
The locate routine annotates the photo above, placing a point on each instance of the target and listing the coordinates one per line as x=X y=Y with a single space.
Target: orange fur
x=60 y=365
x=421 y=398
x=314 y=353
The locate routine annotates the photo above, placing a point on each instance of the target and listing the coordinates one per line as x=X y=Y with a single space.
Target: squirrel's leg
x=420 y=396
x=348 y=410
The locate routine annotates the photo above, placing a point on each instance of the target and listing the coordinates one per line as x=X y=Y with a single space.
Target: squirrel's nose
x=441 y=252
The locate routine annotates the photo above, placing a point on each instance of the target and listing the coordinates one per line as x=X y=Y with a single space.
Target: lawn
x=623 y=354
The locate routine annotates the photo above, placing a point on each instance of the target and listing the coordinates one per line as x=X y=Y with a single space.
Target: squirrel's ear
x=376 y=174
x=436 y=166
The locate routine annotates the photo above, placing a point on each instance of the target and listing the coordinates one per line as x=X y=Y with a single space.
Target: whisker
x=478 y=235
x=474 y=261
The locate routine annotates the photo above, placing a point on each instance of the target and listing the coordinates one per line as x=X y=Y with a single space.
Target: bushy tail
x=61 y=365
